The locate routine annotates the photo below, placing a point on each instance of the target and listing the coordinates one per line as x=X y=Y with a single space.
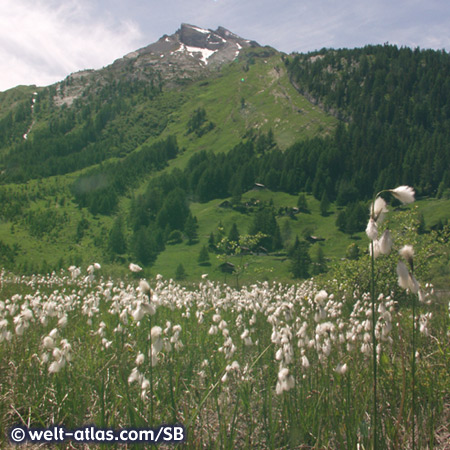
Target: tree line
x=394 y=106
x=111 y=121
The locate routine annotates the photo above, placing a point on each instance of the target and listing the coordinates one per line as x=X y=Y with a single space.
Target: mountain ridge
x=123 y=150
x=187 y=53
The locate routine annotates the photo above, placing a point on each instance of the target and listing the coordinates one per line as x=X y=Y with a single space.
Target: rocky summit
x=190 y=53
x=186 y=52
x=206 y=47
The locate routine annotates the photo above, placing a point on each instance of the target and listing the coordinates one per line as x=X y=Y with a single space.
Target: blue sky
x=42 y=41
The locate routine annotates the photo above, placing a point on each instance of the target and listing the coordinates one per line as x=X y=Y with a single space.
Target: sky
x=43 y=41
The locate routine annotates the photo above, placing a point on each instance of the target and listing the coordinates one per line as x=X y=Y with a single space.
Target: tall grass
x=267 y=366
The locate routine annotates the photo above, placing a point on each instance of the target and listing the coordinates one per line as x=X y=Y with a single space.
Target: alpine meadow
x=250 y=245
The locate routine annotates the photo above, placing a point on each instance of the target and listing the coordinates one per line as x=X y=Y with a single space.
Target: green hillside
x=117 y=169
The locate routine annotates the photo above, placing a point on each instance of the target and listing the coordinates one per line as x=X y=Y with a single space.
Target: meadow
x=269 y=365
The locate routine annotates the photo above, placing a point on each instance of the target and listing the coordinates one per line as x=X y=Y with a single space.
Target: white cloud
x=41 y=42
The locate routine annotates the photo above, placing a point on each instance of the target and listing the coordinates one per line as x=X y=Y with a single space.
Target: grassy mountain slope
x=47 y=229
x=106 y=126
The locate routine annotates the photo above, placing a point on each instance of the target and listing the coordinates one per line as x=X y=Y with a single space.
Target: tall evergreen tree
x=300 y=260
x=190 y=229
x=180 y=273
x=265 y=222
x=117 y=243
x=324 y=204
x=302 y=203
x=203 y=257
x=233 y=235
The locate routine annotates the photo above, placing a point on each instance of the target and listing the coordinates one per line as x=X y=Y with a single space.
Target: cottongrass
x=266 y=366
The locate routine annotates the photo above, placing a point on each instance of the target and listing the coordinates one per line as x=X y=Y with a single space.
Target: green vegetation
x=147 y=172
x=285 y=365
x=394 y=107
x=258 y=176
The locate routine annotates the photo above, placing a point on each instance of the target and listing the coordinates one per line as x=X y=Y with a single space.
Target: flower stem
x=374 y=349
x=414 y=375
x=374 y=338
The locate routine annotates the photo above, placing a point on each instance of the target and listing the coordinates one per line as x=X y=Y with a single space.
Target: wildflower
x=320 y=297
x=406 y=279
x=106 y=343
x=403 y=193
x=341 y=369
x=235 y=366
x=372 y=229
x=407 y=252
x=55 y=366
x=148 y=308
x=157 y=342
x=385 y=243
x=403 y=275
x=156 y=332
x=145 y=384
x=213 y=330
x=424 y=322
x=140 y=359
x=305 y=361
x=285 y=381
x=75 y=272
x=375 y=245
x=134 y=376
x=138 y=314
x=144 y=286
x=413 y=284
x=48 y=342
x=20 y=328
x=134 y=267
x=54 y=333
x=62 y=322
x=378 y=209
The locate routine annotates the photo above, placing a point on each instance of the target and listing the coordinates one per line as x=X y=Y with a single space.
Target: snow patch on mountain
x=200 y=30
x=206 y=53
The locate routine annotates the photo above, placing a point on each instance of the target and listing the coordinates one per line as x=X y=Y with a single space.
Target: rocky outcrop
x=187 y=52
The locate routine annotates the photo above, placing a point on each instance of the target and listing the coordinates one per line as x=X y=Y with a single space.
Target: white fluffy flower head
x=378 y=209
x=134 y=267
x=403 y=193
x=372 y=230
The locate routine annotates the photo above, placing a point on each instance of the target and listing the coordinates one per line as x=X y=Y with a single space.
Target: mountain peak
x=187 y=54
x=203 y=47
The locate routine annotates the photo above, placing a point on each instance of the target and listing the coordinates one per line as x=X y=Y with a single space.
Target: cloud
x=41 y=42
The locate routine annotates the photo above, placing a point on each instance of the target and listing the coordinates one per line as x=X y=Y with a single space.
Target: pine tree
x=180 y=273
x=203 y=257
x=233 y=235
x=212 y=241
x=320 y=264
x=302 y=203
x=190 y=229
x=324 y=204
x=265 y=222
x=300 y=260
x=117 y=243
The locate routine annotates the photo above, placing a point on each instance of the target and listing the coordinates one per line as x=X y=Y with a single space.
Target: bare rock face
x=188 y=52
